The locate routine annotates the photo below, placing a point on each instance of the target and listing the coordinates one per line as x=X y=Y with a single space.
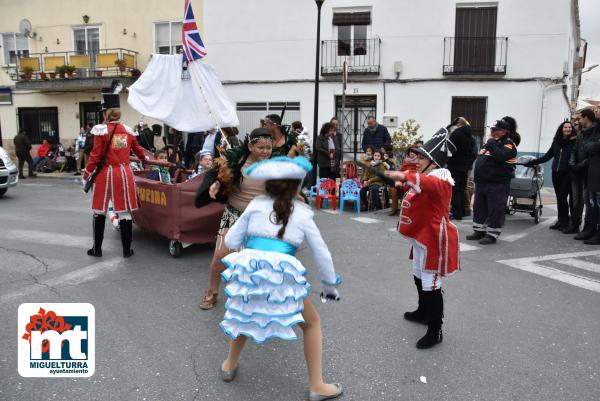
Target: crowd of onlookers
x=481 y=173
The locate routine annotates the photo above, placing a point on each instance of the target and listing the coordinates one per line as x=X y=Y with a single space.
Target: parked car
x=8 y=172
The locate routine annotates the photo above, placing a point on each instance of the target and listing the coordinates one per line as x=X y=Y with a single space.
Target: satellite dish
x=25 y=28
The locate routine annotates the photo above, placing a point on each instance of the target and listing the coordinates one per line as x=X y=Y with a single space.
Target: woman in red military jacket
x=424 y=220
x=115 y=181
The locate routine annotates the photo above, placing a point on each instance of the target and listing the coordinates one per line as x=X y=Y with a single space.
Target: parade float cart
x=168 y=208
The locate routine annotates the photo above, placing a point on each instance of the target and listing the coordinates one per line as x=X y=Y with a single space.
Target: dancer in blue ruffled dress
x=266 y=284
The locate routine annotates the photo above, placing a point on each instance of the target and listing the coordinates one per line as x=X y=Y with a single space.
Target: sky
x=589 y=14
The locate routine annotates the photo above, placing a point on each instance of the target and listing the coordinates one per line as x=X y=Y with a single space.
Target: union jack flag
x=193 y=48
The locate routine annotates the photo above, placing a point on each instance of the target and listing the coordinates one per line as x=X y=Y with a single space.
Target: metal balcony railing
x=475 y=55
x=363 y=56
x=50 y=66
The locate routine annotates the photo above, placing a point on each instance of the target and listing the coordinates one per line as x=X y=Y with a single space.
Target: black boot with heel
x=419 y=315
x=126 y=227
x=434 y=306
x=98 y=223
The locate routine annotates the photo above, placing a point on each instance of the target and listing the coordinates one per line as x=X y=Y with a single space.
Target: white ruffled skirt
x=265 y=295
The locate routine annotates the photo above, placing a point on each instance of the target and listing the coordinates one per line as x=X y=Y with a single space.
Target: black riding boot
x=126 y=234
x=434 y=304
x=98 y=228
x=419 y=315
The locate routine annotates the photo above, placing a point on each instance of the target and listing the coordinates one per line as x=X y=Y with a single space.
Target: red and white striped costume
x=115 y=180
x=424 y=219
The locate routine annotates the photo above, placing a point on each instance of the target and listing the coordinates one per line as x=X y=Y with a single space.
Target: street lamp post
x=317 y=75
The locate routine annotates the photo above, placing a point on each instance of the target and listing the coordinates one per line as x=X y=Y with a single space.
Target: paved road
x=522 y=318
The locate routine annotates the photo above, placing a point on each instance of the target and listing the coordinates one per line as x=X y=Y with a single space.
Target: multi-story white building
x=88 y=35
x=430 y=60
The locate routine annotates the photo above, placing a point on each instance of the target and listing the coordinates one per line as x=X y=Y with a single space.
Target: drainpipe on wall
x=541 y=112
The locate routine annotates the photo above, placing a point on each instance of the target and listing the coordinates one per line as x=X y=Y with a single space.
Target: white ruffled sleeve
x=320 y=253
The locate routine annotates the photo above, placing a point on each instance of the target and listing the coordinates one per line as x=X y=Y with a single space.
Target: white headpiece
x=280 y=168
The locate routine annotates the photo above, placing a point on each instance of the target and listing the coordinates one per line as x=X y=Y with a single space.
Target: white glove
x=329 y=293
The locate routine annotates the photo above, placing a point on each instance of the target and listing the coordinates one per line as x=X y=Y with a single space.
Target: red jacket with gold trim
x=115 y=181
x=424 y=218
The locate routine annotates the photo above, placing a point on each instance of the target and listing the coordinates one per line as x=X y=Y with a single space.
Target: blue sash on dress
x=271 y=245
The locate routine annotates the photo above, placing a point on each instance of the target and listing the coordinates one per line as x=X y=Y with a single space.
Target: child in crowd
x=204 y=162
x=371 y=183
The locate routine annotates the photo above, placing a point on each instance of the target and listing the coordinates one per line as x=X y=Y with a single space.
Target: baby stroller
x=525 y=187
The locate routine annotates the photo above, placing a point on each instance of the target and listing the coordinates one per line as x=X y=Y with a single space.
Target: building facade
x=428 y=60
x=88 y=35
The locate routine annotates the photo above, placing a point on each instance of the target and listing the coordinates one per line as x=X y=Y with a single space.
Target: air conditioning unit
x=390 y=121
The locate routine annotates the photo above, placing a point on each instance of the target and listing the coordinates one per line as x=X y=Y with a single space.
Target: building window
x=250 y=113
x=352 y=32
x=475 y=39
x=14 y=45
x=39 y=123
x=167 y=37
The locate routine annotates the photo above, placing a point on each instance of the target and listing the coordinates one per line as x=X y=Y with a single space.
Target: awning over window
x=358 y=18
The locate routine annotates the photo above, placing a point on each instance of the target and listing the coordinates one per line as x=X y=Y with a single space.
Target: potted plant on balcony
x=99 y=73
x=43 y=76
x=121 y=63
x=69 y=70
x=60 y=70
x=27 y=73
x=52 y=75
x=135 y=73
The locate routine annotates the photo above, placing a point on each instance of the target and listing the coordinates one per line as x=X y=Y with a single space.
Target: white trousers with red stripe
x=431 y=281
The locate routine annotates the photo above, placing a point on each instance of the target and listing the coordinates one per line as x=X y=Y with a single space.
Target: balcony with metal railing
x=475 y=55
x=363 y=56
x=73 y=71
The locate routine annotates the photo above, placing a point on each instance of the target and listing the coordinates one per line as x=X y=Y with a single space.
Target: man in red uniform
x=114 y=182
x=425 y=221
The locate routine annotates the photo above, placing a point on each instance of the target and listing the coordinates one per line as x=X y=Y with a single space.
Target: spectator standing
x=79 y=150
x=375 y=135
x=211 y=140
x=231 y=134
x=147 y=138
x=408 y=164
x=338 y=134
x=328 y=152
x=22 y=150
x=579 y=172
x=494 y=169
x=593 y=183
x=513 y=134
x=560 y=153
x=459 y=165
x=88 y=145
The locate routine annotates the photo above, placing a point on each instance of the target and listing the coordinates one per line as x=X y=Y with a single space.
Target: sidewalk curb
x=55 y=177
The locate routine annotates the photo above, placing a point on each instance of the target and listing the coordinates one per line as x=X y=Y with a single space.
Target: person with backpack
x=460 y=163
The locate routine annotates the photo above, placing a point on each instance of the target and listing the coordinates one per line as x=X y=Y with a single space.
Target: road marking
x=524 y=233
x=69 y=209
x=532 y=265
x=49 y=238
x=75 y=277
x=467 y=247
x=36 y=185
x=580 y=264
x=366 y=220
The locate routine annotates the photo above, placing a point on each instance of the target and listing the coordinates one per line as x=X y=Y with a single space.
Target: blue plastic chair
x=350 y=191
x=313 y=190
